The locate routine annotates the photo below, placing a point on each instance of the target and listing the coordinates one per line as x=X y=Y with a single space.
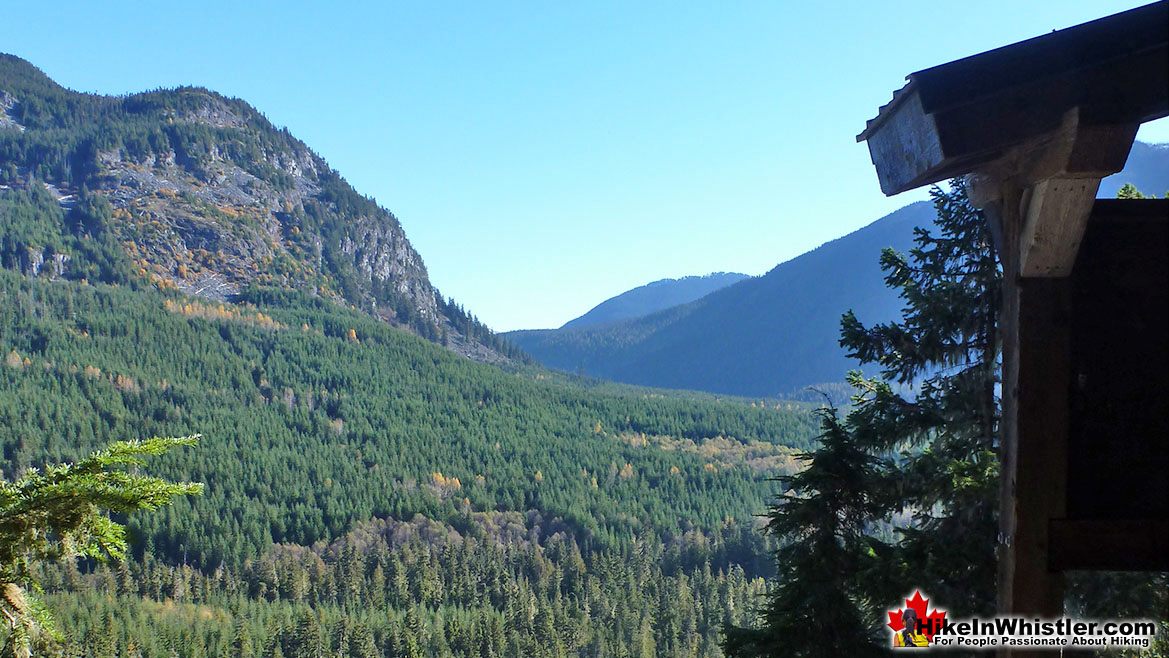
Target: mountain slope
x=652 y=297
x=317 y=417
x=128 y=224
x=186 y=188
x=762 y=336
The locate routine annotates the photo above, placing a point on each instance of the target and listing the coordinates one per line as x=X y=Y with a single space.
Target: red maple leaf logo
x=931 y=621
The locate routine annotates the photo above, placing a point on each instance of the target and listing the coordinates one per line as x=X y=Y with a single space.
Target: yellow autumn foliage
x=443 y=482
x=225 y=312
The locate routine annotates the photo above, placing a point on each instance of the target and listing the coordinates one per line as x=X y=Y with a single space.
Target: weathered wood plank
x=1057 y=214
x=965 y=115
x=1004 y=213
x=907 y=146
x=1112 y=94
x=1061 y=171
x=1118 y=463
x=1130 y=210
x=1041 y=398
x=1117 y=37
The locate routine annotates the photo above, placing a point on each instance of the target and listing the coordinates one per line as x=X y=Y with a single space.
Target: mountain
x=654 y=296
x=764 y=336
x=186 y=188
x=775 y=334
x=172 y=264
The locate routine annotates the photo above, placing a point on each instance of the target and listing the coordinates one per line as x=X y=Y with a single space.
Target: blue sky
x=545 y=156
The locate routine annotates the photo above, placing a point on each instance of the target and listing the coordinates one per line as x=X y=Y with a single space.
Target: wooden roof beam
x=1059 y=174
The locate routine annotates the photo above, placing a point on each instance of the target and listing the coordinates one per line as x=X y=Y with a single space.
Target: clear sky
x=545 y=156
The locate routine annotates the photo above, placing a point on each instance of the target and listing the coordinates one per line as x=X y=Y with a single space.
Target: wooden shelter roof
x=954 y=118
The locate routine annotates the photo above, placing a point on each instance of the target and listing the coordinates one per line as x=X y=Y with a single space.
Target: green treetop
x=63 y=512
x=818 y=609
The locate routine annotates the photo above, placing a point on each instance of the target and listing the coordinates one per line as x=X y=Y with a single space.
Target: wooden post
x=1035 y=329
x=1039 y=123
x=1038 y=198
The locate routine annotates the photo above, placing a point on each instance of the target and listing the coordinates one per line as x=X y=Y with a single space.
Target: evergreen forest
x=373 y=490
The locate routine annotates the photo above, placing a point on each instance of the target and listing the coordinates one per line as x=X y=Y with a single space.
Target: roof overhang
x=953 y=119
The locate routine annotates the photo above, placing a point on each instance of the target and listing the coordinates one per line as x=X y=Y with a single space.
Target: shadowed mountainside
x=766 y=336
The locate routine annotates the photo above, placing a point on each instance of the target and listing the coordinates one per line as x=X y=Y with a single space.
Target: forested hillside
x=334 y=441
x=318 y=417
x=1146 y=169
x=173 y=264
x=766 y=336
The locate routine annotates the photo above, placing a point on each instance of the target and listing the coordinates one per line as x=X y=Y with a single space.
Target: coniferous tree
x=362 y=643
x=241 y=644
x=817 y=608
x=935 y=408
x=1129 y=191
x=921 y=439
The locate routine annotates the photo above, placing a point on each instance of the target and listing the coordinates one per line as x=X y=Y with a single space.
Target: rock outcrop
x=205 y=195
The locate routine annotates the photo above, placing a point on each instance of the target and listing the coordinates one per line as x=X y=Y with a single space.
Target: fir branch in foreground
x=63 y=512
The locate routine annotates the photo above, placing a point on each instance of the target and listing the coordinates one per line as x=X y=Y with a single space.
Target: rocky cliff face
x=6 y=103
x=204 y=195
x=201 y=219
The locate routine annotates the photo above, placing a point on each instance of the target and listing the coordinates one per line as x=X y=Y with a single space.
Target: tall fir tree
x=935 y=410
x=241 y=643
x=919 y=441
x=817 y=608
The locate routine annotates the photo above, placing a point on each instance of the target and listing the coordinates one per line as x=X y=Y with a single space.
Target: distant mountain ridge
x=763 y=336
x=774 y=334
x=189 y=189
x=654 y=296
